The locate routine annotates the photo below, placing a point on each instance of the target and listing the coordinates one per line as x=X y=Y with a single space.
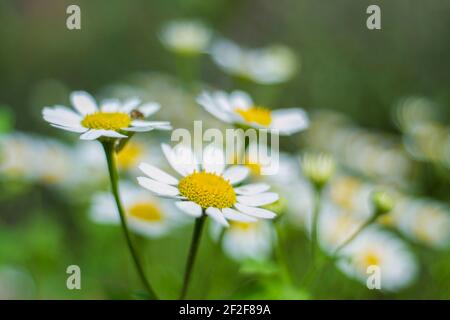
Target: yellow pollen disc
x=371 y=259
x=243 y=226
x=129 y=156
x=208 y=190
x=106 y=120
x=145 y=211
x=259 y=115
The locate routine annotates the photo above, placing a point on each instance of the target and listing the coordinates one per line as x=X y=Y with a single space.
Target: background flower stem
x=110 y=157
x=198 y=228
x=314 y=224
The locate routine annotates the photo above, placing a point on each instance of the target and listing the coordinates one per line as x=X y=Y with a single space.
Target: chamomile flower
x=208 y=187
x=189 y=37
x=373 y=247
x=246 y=240
x=148 y=216
x=269 y=65
x=238 y=108
x=112 y=119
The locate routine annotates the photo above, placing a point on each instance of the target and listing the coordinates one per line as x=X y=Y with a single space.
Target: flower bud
x=383 y=203
x=318 y=168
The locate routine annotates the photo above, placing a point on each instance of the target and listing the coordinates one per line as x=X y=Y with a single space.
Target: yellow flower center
x=106 y=120
x=259 y=115
x=242 y=226
x=129 y=156
x=370 y=258
x=208 y=190
x=146 y=211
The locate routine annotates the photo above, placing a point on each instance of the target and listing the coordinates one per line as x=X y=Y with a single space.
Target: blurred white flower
x=424 y=221
x=239 y=108
x=188 y=37
x=51 y=164
x=318 y=168
x=270 y=65
x=207 y=186
x=16 y=283
x=247 y=240
x=113 y=119
x=374 y=247
x=146 y=215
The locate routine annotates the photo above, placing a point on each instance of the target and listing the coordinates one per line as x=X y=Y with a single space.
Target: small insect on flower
x=207 y=186
x=239 y=108
x=112 y=119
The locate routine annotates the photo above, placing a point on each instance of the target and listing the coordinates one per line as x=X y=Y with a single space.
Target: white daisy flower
x=270 y=65
x=112 y=119
x=239 y=108
x=187 y=37
x=207 y=186
x=148 y=216
x=373 y=247
x=246 y=240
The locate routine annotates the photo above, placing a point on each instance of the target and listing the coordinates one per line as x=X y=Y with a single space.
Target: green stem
x=355 y=234
x=199 y=222
x=314 y=223
x=109 y=152
x=281 y=257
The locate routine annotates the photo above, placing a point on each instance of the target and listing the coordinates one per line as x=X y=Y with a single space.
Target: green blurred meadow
x=363 y=90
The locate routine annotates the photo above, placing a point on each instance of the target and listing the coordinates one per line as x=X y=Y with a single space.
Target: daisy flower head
x=268 y=66
x=246 y=240
x=374 y=247
x=112 y=119
x=187 y=37
x=208 y=186
x=148 y=216
x=238 y=108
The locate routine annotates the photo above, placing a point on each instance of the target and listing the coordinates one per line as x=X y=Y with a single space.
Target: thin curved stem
x=199 y=222
x=355 y=234
x=109 y=152
x=315 y=223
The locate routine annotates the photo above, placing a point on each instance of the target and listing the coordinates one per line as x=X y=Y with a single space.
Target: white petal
x=159 y=188
x=260 y=199
x=241 y=100
x=110 y=105
x=157 y=174
x=213 y=159
x=236 y=174
x=91 y=134
x=83 y=102
x=143 y=123
x=71 y=129
x=139 y=129
x=217 y=215
x=255 y=212
x=148 y=109
x=289 y=121
x=190 y=208
x=254 y=188
x=130 y=104
x=180 y=158
x=235 y=215
x=208 y=103
x=61 y=116
x=113 y=134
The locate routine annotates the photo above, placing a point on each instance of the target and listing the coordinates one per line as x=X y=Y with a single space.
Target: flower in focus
x=247 y=240
x=188 y=37
x=147 y=216
x=112 y=119
x=318 y=168
x=239 y=108
x=270 y=65
x=373 y=247
x=206 y=185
